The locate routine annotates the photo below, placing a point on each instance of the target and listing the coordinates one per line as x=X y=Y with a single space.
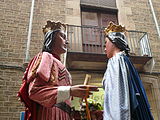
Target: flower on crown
x=114 y=28
x=53 y=26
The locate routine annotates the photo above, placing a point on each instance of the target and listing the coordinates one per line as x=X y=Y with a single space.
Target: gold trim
x=35 y=66
x=114 y=28
x=53 y=26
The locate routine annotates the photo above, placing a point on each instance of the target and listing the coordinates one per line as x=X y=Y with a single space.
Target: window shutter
x=100 y=3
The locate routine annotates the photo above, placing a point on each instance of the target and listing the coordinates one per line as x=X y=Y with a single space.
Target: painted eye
x=63 y=36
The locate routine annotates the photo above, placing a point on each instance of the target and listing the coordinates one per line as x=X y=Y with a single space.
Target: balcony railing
x=89 y=39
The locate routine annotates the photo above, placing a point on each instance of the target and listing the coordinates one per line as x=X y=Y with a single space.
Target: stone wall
x=151 y=84
x=13 y=36
x=73 y=13
x=10 y=107
x=137 y=15
x=14 y=23
x=13 y=33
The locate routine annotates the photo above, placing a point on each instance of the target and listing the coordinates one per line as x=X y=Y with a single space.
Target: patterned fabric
x=125 y=96
x=116 y=99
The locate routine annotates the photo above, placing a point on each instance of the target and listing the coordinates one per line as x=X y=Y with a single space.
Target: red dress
x=46 y=74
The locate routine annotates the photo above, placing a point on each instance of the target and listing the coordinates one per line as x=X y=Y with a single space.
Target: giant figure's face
x=109 y=48
x=60 y=43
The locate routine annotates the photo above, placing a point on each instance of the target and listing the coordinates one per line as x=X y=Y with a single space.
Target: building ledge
x=77 y=61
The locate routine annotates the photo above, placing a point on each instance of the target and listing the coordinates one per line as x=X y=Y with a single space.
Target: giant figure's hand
x=82 y=91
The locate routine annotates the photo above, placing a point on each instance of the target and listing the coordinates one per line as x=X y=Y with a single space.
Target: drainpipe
x=154 y=17
x=65 y=54
x=29 y=32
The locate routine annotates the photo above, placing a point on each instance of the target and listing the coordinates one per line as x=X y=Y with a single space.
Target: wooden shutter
x=100 y=3
x=91 y=37
x=106 y=18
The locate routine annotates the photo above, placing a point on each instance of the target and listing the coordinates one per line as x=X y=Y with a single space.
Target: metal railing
x=89 y=39
x=139 y=43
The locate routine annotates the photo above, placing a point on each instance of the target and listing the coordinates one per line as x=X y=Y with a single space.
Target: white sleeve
x=63 y=93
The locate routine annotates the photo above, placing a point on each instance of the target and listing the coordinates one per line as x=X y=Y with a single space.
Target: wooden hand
x=82 y=91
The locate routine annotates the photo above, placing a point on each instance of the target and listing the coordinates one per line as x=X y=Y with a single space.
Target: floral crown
x=114 y=28
x=53 y=26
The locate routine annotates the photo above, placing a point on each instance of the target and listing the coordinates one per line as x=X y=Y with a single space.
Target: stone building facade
x=14 y=22
x=138 y=15
x=17 y=46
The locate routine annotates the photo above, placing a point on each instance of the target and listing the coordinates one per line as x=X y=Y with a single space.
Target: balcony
x=86 y=48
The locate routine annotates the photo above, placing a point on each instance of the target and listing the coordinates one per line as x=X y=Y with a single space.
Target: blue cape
x=140 y=108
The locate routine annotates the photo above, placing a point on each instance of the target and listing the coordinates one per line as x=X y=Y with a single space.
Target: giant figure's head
x=54 y=37
x=115 y=39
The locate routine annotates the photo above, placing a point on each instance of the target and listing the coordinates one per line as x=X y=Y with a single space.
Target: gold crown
x=114 y=28
x=53 y=26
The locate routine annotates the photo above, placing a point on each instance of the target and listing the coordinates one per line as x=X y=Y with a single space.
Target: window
x=92 y=23
x=100 y=3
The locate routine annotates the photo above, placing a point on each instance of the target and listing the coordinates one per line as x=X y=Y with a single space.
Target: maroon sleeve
x=43 y=93
x=42 y=90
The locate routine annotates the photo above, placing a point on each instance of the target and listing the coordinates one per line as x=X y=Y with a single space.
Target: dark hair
x=49 y=41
